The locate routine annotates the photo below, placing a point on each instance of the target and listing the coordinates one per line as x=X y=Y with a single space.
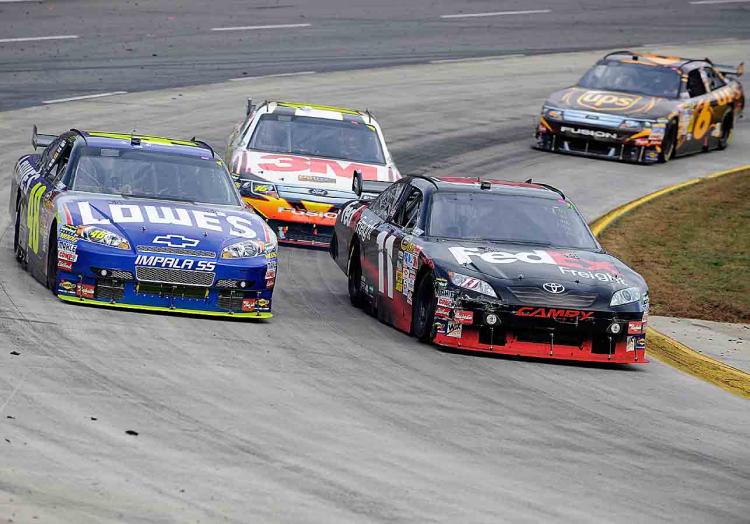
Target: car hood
x=165 y=223
x=307 y=171
x=514 y=264
x=612 y=102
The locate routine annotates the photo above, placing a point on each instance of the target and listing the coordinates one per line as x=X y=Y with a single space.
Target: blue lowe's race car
x=140 y=222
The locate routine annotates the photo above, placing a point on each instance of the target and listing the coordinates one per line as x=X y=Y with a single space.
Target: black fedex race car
x=644 y=108
x=493 y=266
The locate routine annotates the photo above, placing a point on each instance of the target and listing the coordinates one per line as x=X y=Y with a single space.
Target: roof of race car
x=155 y=143
x=318 y=111
x=652 y=59
x=474 y=184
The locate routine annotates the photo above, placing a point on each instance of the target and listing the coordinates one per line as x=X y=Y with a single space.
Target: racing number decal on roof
x=385 y=250
x=32 y=217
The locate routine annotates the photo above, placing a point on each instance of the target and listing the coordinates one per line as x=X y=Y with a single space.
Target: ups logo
x=607 y=101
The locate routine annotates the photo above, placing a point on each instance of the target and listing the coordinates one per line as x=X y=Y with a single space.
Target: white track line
x=254 y=27
x=277 y=75
x=83 y=97
x=33 y=38
x=498 y=13
x=473 y=59
x=709 y=2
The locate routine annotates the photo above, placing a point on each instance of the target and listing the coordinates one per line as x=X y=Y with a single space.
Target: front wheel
x=17 y=237
x=52 y=261
x=423 y=310
x=354 y=274
x=727 y=129
x=668 y=144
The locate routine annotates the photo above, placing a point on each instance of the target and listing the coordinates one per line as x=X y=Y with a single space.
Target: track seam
x=665 y=348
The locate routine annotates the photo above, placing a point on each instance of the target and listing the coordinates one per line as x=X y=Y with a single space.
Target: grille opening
x=535 y=296
x=562 y=338
x=302 y=232
x=187 y=277
x=601 y=345
x=171 y=290
x=109 y=289
x=232 y=300
x=492 y=336
x=592 y=147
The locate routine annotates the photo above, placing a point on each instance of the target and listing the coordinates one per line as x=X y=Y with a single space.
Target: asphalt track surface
x=325 y=415
x=150 y=44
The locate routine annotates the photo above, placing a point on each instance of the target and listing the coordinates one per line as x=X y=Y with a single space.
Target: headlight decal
x=248 y=249
x=101 y=236
x=625 y=296
x=472 y=284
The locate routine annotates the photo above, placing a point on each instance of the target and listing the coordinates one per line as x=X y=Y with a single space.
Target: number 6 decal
x=385 y=249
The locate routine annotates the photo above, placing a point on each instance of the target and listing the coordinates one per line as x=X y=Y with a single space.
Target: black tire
x=727 y=128
x=16 y=238
x=423 y=310
x=668 y=144
x=354 y=274
x=52 y=261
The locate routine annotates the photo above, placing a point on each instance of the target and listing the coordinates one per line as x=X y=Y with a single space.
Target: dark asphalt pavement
x=144 y=44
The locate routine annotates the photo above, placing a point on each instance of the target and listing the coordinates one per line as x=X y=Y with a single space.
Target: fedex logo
x=537 y=256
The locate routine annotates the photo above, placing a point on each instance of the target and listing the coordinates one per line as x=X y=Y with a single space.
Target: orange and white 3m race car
x=295 y=163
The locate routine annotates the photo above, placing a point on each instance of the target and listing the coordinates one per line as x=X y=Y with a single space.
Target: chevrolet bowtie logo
x=176 y=241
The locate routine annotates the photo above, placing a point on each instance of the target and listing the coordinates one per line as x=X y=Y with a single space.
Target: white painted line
x=254 y=27
x=474 y=59
x=498 y=13
x=33 y=38
x=83 y=97
x=708 y=2
x=277 y=75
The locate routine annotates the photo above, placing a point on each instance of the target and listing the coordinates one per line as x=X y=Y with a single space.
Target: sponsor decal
x=366 y=226
x=64 y=265
x=175 y=241
x=66 y=287
x=262 y=302
x=604 y=277
x=248 y=304
x=85 y=290
x=445 y=301
x=640 y=342
x=463 y=316
x=463 y=255
x=442 y=312
x=543 y=312
x=349 y=212
x=66 y=255
x=306 y=213
x=453 y=329
x=607 y=101
x=317 y=192
x=635 y=327
x=630 y=344
x=174 y=263
x=137 y=214
x=317 y=179
x=594 y=133
x=317 y=166
x=553 y=287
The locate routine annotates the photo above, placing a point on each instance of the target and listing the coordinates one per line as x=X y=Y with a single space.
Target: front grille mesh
x=186 y=277
x=535 y=296
x=178 y=251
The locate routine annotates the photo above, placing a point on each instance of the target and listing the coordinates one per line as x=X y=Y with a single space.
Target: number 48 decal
x=32 y=216
x=385 y=250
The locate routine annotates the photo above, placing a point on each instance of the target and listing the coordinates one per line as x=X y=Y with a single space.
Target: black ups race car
x=493 y=266
x=644 y=108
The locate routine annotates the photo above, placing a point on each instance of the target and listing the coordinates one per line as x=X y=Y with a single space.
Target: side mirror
x=357 y=183
x=245 y=189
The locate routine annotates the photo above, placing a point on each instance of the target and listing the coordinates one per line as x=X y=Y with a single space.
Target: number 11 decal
x=385 y=249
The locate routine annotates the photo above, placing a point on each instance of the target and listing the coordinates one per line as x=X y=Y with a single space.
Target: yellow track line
x=660 y=345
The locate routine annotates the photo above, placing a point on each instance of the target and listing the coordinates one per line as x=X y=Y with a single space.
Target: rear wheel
x=727 y=130
x=17 y=237
x=423 y=310
x=52 y=261
x=355 y=278
x=668 y=144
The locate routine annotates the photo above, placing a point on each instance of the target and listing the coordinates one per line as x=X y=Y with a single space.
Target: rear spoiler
x=39 y=140
x=731 y=70
x=367 y=189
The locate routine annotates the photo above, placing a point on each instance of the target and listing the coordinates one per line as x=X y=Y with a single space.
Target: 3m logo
x=32 y=215
x=607 y=101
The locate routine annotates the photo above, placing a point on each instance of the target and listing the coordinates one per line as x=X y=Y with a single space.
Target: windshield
x=303 y=135
x=509 y=218
x=149 y=174
x=633 y=78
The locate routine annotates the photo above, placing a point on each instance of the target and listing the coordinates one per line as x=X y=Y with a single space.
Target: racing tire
x=668 y=144
x=354 y=277
x=727 y=130
x=423 y=310
x=17 y=251
x=52 y=261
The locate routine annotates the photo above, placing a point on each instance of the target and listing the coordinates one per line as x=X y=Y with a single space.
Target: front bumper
x=599 y=142
x=236 y=288
x=562 y=337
